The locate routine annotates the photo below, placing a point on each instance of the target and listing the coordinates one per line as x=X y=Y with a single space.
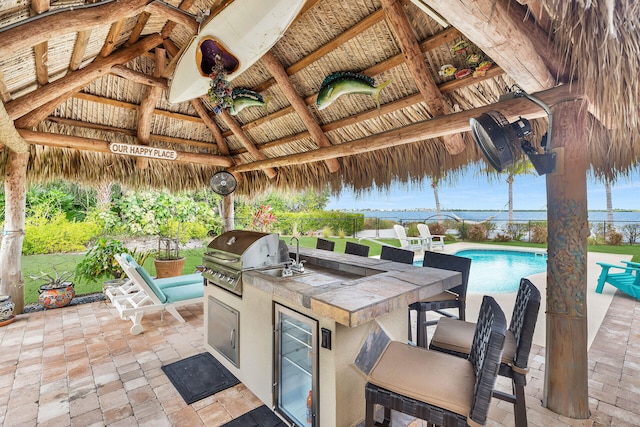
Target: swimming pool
x=500 y=271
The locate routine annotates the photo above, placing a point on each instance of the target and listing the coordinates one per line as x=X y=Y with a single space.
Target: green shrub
x=341 y=234
x=412 y=230
x=57 y=235
x=516 y=231
x=327 y=232
x=188 y=230
x=310 y=222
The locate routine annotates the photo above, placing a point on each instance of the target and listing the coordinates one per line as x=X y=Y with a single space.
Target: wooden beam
x=31 y=33
x=147 y=106
x=169 y=26
x=165 y=11
x=8 y=134
x=40 y=6
x=136 y=32
x=99 y=146
x=56 y=92
x=500 y=29
x=278 y=72
x=112 y=38
x=414 y=58
x=129 y=132
x=79 y=49
x=323 y=50
x=247 y=143
x=211 y=125
x=428 y=129
x=41 y=53
x=41 y=50
x=438 y=39
x=138 y=77
x=5 y=94
x=131 y=106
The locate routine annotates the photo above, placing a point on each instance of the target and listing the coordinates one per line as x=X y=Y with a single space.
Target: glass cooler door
x=295 y=385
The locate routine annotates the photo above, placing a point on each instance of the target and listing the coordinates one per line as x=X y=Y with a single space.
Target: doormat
x=259 y=417
x=199 y=376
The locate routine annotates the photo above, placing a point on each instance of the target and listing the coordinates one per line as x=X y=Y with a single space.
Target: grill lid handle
x=223 y=258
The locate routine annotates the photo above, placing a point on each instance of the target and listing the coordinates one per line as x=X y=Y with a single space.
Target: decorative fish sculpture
x=345 y=83
x=243 y=98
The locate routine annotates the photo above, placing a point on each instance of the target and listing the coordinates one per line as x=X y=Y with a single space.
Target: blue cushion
x=156 y=290
x=187 y=279
x=184 y=292
x=132 y=262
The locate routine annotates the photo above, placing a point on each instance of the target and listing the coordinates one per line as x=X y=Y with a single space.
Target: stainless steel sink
x=278 y=272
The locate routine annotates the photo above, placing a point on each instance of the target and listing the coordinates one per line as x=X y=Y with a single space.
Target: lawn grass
x=35 y=264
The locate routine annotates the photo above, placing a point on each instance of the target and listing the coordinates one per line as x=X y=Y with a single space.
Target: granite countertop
x=350 y=289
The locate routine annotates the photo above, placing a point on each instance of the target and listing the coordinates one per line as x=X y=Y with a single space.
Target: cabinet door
x=296 y=367
x=222 y=329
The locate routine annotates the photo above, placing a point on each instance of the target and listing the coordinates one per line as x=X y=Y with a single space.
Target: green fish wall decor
x=243 y=98
x=346 y=83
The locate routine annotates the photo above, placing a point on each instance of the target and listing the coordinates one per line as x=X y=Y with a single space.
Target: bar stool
x=356 y=249
x=455 y=337
x=440 y=388
x=325 y=244
x=455 y=297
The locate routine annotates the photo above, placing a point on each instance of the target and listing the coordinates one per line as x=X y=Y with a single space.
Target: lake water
x=399 y=216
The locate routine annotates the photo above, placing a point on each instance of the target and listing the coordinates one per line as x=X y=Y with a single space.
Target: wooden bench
x=627 y=279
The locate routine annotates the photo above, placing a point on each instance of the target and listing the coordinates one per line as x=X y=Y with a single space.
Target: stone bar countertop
x=350 y=289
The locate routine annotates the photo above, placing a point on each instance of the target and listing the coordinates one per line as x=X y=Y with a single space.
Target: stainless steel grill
x=231 y=253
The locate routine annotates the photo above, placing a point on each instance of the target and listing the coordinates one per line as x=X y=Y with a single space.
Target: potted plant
x=100 y=262
x=56 y=290
x=168 y=261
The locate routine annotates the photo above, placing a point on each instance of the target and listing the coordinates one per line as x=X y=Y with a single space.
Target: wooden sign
x=143 y=151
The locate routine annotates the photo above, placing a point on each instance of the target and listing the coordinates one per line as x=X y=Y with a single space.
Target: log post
x=566 y=373
x=15 y=189
x=228 y=213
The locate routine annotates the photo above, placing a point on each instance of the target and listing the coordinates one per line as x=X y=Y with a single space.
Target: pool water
x=500 y=271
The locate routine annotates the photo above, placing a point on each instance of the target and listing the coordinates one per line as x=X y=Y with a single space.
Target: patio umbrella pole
x=566 y=369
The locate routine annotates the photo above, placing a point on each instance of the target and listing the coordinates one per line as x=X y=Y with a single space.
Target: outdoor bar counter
x=358 y=305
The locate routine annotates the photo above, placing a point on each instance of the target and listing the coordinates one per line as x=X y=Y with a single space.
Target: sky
x=476 y=193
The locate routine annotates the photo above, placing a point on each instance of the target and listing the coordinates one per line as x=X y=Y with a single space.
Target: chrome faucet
x=296 y=265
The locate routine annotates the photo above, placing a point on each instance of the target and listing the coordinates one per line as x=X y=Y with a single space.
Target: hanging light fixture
x=502 y=142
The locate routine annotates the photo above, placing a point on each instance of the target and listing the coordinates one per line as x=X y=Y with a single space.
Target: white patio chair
x=434 y=241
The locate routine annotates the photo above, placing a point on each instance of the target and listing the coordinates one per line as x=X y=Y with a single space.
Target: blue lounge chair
x=627 y=279
x=151 y=295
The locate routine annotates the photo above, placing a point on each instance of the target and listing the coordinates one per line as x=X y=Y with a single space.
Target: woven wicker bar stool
x=455 y=337
x=391 y=253
x=437 y=387
x=325 y=244
x=455 y=297
x=356 y=249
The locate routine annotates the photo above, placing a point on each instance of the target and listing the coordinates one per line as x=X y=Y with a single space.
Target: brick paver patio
x=80 y=366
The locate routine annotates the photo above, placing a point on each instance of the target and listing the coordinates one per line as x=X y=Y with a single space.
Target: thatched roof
x=95 y=73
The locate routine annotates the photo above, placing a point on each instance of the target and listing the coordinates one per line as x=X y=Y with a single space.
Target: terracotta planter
x=169 y=267
x=58 y=296
x=6 y=308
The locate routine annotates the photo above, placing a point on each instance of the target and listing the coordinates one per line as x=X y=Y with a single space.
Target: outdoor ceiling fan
x=502 y=142
x=223 y=183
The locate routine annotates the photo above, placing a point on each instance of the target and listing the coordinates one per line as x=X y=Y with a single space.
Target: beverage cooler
x=296 y=367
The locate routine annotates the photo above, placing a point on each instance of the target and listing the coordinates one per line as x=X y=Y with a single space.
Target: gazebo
x=85 y=86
